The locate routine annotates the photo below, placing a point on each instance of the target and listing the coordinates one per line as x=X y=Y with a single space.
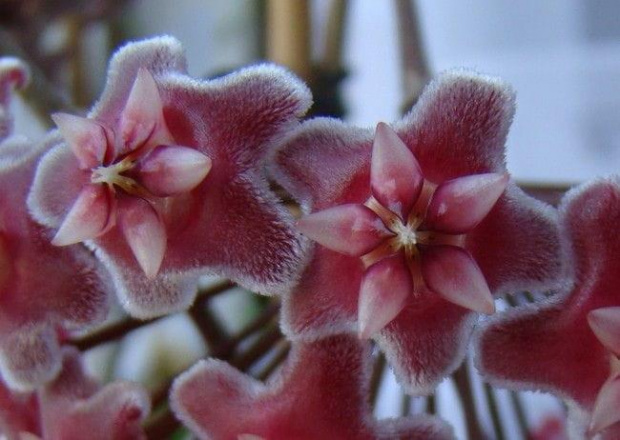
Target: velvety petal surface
x=551 y=346
x=45 y=289
x=606 y=410
x=320 y=393
x=230 y=222
x=13 y=75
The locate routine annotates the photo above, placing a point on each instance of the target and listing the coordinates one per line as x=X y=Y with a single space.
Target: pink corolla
x=321 y=392
x=45 y=291
x=569 y=344
x=164 y=179
x=74 y=407
x=418 y=225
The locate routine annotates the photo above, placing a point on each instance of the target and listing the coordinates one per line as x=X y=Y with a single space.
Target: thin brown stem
x=431 y=404
x=519 y=412
x=162 y=425
x=494 y=412
x=257 y=350
x=463 y=384
x=209 y=325
x=375 y=380
x=281 y=353
x=334 y=36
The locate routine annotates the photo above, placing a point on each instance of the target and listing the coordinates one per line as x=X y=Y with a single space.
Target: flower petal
x=350 y=229
x=172 y=170
x=142 y=118
x=452 y=273
x=89 y=217
x=383 y=294
x=145 y=233
x=458 y=205
x=606 y=410
x=395 y=176
x=605 y=323
x=86 y=138
x=6 y=264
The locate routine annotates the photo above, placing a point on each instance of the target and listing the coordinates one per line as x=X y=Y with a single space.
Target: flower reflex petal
x=350 y=229
x=89 y=217
x=395 y=176
x=458 y=205
x=452 y=272
x=193 y=150
x=605 y=323
x=320 y=393
x=606 y=410
x=383 y=294
x=87 y=138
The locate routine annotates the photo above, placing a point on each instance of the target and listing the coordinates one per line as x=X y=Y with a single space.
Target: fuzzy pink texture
x=75 y=407
x=230 y=224
x=321 y=392
x=43 y=289
x=550 y=346
x=458 y=128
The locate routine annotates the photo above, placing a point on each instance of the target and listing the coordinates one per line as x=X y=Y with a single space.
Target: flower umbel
x=132 y=167
x=410 y=234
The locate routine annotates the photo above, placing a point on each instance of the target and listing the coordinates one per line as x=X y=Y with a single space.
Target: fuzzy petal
x=90 y=216
x=606 y=410
x=460 y=204
x=605 y=323
x=320 y=393
x=142 y=118
x=145 y=233
x=171 y=170
x=383 y=294
x=351 y=229
x=395 y=176
x=452 y=273
x=13 y=75
x=87 y=138
x=550 y=346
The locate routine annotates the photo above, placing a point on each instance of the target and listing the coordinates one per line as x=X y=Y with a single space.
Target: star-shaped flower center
x=410 y=234
x=130 y=167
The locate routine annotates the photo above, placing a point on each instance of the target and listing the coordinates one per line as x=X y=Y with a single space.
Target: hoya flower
x=321 y=392
x=418 y=226
x=569 y=344
x=74 y=407
x=44 y=289
x=164 y=178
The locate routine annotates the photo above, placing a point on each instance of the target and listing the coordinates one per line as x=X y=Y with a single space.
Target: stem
x=288 y=35
x=334 y=36
x=464 y=387
x=257 y=350
x=415 y=70
x=375 y=380
x=431 y=404
x=121 y=328
x=209 y=325
x=282 y=350
x=494 y=412
x=519 y=412
x=163 y=425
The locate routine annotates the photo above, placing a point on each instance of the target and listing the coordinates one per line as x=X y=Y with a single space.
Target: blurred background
x=366 y=61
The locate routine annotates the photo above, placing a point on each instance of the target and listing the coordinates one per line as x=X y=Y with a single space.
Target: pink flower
x=74 y=407
x=43 y=289
x=164 y=178
x=418 y=226
x=569 y=344
x=321 y=392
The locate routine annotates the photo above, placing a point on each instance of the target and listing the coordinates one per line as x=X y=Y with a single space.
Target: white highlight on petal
x=605 y=323
x=173 y=170
x=606 y=410
x=452 y=273
x=90 y=216
x=458 y=205
x=395 y=176
x=143 y=112
x=350 y=229
x=383 y=294
x=250 y=437
x=145 y=233
x=86 y=138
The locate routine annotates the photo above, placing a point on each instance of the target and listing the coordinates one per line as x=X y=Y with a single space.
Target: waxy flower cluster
x=409 y=233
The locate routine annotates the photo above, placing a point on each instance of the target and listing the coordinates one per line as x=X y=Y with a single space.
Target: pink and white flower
x=164 y=178
x=321 y=392
x=569 y=344
x=44 y=290
x=419 y=226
